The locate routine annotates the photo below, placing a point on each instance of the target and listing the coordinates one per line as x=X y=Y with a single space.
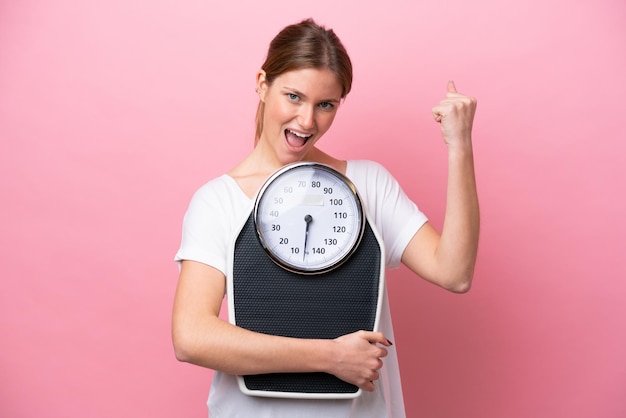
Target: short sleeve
x=396 y=217
x=210 y=223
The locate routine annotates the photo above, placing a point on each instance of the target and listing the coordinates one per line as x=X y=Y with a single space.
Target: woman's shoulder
x=366 y=168
x=365 y=164
x=221 y=190
x=218 y=184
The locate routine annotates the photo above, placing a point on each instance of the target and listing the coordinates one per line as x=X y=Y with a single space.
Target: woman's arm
x=202 y=338
x=448 y=259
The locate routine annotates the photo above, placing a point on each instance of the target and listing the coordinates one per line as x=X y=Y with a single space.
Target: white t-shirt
x=215 y=215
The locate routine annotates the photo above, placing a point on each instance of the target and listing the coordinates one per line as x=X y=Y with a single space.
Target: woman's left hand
x=455 y=113
x=448 y=258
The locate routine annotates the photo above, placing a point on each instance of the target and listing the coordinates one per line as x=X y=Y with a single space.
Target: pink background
x=112 y=113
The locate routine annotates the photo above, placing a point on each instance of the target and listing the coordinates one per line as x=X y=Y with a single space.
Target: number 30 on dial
x=309 y=218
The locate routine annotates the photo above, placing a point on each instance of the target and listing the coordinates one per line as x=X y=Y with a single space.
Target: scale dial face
x=309 y=218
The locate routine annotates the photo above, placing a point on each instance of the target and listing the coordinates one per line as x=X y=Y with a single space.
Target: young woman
x=301 y=85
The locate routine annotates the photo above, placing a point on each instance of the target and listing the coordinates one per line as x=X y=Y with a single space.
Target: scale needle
x=308 y=219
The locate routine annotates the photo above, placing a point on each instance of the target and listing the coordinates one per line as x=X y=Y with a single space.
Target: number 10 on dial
x=309 y=218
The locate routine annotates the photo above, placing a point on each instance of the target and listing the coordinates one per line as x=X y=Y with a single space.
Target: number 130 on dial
x=309 y=218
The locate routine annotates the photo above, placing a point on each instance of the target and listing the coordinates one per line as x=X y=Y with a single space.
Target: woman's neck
x=251 y=173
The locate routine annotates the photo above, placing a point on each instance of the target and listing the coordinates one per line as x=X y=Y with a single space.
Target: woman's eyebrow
x=299 y=93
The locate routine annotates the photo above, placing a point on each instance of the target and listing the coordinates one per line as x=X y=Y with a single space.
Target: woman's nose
x=306 y=117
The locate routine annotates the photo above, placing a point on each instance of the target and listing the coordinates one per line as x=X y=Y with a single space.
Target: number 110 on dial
x=309 y=218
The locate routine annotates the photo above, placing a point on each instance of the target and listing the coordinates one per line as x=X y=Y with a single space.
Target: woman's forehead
x=312 y=82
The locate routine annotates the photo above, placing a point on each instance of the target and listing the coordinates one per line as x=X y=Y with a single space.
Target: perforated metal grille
x=271 y=300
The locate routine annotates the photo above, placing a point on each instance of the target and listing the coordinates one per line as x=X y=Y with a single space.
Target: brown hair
x=305 y=45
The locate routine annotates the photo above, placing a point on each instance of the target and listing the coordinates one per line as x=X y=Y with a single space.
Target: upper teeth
x=299 y=135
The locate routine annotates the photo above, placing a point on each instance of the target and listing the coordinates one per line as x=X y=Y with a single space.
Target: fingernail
x=390 y=343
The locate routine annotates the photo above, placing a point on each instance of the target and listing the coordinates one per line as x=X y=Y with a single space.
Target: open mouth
x=296 y=139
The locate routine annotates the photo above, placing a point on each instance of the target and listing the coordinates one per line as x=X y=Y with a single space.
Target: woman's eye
x=293 y=97
x=326 y=106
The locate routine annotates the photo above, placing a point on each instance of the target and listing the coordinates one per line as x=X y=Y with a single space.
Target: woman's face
x=300 y=106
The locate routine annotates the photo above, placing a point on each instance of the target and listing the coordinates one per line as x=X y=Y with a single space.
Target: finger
x=368 y=386
x=437 y=113
x=451 y=87
x=377 y=337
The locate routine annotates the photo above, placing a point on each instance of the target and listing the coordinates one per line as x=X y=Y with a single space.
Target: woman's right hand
x=201 y=337
x=359 y=358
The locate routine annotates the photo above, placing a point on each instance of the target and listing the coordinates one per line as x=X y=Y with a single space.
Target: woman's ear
x=261 y=85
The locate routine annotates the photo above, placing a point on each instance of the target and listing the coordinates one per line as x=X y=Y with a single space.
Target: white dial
x=309 y=217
